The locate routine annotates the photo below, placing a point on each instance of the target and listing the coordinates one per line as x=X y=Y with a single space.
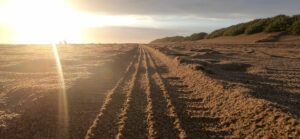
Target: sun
x=41 y=21
x=53 y=21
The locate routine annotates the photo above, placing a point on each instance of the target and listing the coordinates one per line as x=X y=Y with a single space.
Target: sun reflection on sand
x=63 y=117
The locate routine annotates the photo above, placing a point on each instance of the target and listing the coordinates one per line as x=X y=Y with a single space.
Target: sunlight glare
x=63 y=104
x=47 y=21
x=40 y=21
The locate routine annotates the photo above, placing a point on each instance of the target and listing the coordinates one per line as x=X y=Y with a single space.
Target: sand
x=241 y=90
x=177 y=90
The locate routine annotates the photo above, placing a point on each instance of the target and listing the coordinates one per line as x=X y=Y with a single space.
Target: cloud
x=160 y=18
x=202 y=8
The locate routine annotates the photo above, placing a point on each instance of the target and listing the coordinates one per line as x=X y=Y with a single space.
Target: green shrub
x=196 y=36
x=193 y=37
x=235 y=30
x=278 y=23
x=257 y=26
x=169 y=39
x=175 y=39
x=295 y=29
x=292 y=20
x=216 y=33
x=295 y=18
x=275 y=24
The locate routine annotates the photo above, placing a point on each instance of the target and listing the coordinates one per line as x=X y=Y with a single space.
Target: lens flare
x=63 y=115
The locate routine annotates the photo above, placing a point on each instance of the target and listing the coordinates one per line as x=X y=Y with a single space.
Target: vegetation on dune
x=296 y=28
x=169 y=39
x=216 y=33
x=193 y=37
x=256 y=26
x=235 y=29
x=196 y=36
x=279 y=23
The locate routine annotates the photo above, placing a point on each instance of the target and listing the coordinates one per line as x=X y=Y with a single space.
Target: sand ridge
x=235 y=93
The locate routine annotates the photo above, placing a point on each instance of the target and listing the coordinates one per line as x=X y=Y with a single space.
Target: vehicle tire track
x=139 y=106
x=106 y=123
x=167 y=126
x=133 y=119
x=150 y=114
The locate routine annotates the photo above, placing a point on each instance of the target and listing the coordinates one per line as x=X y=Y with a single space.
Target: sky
x=126 y=21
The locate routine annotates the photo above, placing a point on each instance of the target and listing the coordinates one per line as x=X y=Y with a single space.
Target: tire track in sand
x=139 y=106
x=106 y=123
x=133 y=119
x=168 y=124
x=150 y=114
x=160 y=123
